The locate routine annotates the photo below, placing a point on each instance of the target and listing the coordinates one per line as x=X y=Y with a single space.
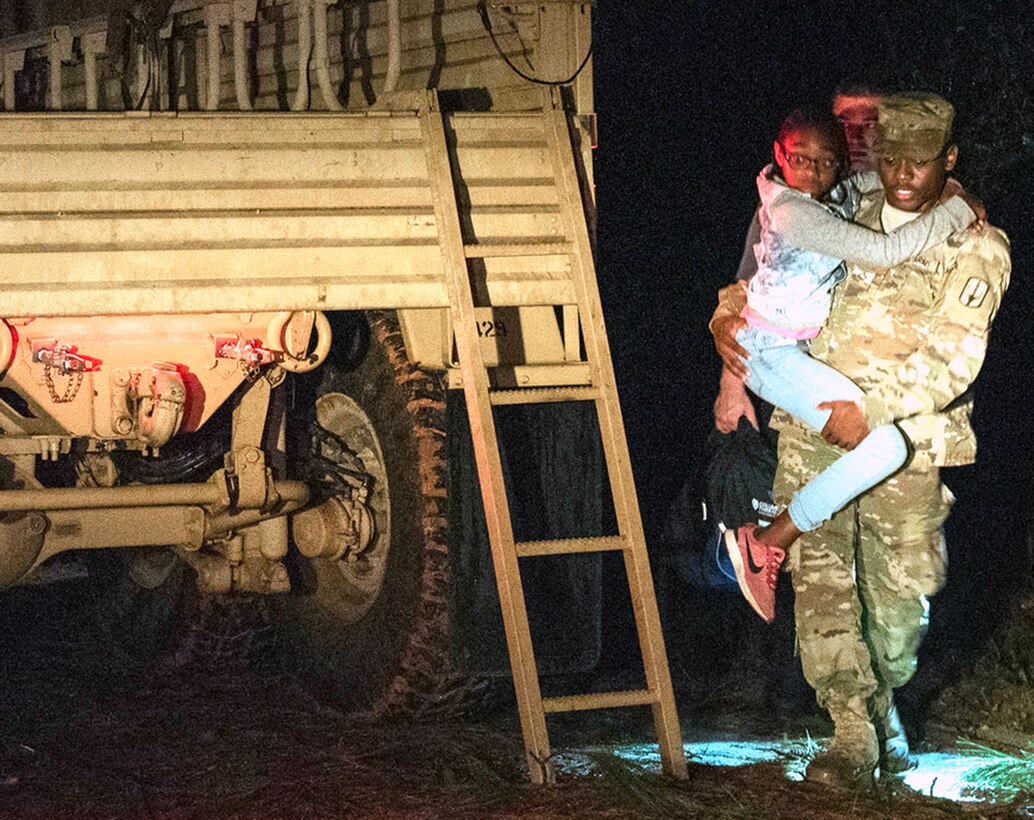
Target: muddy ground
x=87 y=734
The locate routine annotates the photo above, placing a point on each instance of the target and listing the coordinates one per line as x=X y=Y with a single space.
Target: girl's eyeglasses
x=800 y=161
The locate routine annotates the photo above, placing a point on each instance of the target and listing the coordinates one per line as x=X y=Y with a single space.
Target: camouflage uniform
x=913 y=337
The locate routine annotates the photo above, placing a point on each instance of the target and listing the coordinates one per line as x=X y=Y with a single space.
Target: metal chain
x=71 y=389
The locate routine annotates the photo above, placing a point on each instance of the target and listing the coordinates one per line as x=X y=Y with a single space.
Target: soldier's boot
x=850 y=761
x=895 y=756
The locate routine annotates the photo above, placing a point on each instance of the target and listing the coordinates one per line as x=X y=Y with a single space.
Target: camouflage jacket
x=914 y=336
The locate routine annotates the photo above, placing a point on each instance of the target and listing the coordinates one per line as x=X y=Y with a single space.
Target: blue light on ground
x=710 y=752
x=947 y=775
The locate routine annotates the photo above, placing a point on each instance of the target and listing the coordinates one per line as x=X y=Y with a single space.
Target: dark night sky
x=689 y=96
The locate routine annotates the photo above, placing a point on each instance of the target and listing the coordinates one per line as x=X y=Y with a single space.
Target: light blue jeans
x=783 y=374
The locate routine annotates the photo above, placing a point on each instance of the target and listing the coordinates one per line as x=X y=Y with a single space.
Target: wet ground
x=86 y=734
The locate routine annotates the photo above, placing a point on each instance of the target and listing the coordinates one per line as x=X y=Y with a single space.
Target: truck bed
x=143 y=213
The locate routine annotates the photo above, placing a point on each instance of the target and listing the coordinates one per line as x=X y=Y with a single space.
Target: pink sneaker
x=757 y=568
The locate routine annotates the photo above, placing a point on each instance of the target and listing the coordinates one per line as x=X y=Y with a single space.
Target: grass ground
x=85 y=735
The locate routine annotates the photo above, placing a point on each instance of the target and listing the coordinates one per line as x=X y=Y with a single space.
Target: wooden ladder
x=480 y=399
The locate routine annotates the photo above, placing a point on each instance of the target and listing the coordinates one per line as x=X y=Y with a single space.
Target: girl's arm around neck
x=807 y=224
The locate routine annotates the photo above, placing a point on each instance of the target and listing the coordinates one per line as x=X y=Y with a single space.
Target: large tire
x=388 y=654
x=149 y=607
x=147 y=601
x=144 y=619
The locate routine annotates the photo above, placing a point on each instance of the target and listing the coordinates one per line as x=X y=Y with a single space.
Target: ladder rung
x=567 y=245
x=598 y=700
x=569 y=546
x=490 y=250
x=543 y=395
x=530 y=376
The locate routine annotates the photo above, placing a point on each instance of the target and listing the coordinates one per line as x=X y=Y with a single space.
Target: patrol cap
x=914 y=124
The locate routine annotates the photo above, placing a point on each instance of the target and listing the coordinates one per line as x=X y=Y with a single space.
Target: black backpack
x=734 y=487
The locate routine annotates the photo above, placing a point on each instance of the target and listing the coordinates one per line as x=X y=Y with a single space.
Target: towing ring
x=307 y=361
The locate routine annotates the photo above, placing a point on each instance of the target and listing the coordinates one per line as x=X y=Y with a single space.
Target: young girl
x=806 y=235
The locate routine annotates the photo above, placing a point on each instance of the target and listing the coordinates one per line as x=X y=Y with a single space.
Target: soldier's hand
x=847 y=425
x=724 y=329
x=732 y=404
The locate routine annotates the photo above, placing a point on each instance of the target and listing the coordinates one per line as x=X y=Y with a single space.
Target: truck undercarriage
x=285 y=442
x=176 y=286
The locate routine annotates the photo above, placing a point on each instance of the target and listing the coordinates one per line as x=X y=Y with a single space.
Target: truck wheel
x=371 y=631
x=145 y=600
x=152 y=612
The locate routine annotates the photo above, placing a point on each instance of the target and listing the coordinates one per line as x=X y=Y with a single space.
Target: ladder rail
x=619 y=465
x=602 y=390
x=489 y=463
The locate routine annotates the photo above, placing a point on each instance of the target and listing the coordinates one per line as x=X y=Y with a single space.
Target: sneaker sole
x=731 y=547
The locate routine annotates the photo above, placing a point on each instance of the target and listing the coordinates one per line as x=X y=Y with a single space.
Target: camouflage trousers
x=861 y=580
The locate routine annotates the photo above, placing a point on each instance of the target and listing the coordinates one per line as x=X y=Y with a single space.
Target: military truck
x=247 y=248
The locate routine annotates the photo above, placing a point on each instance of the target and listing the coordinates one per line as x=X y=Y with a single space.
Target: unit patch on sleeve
x=974 y=292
